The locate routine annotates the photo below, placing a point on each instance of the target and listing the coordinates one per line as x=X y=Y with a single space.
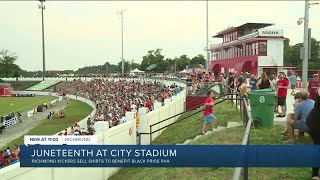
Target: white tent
x=184 y=71
x=137 y=71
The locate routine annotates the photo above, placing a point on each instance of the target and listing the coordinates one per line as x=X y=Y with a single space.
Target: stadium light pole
x=42 y=7
x=175 y=64
x=305 y=42
x=121 y=13
x=207 y=35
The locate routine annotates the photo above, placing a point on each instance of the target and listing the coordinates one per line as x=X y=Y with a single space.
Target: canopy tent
x=184 y=72
x=137 y=71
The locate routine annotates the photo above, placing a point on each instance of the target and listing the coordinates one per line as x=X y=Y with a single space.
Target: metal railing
x=208 y=87
x=247 y=119
x=150 y=126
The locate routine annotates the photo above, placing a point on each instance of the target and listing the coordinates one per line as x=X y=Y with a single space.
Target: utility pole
x=175 y=65
x=305 y=46
x=42 y=7
x=121 y=13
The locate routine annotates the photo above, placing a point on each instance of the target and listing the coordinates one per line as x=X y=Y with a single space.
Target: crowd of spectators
x=9 y=157
x=113 y=98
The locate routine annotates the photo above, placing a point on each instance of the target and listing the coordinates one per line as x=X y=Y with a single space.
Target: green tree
x=7 y=60
x=315 y=50
x=126 y=66
x=16 y=75
x=154 y=57
x=200 y=59
x=134 y=65
x=182 y=62
x=170 y=64
x=111 y=67
x=292 y=54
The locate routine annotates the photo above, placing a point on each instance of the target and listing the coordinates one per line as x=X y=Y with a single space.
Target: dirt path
x=20 y=129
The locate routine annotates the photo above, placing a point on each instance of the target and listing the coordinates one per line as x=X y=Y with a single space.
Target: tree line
x=154 y=58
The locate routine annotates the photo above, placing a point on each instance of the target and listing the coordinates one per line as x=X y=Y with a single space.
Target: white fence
x=172 y=107
x=124 y=134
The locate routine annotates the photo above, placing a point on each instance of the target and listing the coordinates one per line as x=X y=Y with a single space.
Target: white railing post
x=157 y=106
x=167 y=102
x=131 y=117
x=102 y=128
x=174 y=109
x=143 y=126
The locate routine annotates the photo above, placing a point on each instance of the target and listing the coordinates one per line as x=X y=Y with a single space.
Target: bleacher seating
x=22 y=85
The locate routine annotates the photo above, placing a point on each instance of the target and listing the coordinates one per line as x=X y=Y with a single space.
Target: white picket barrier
x=172 y=107
x=10 y=122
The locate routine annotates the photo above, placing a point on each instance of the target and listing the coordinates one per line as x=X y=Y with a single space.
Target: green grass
x=227 y=136
x=75 y=112
x=22 y=104
x=178 y=133
x=191 y=127
x=257 y=136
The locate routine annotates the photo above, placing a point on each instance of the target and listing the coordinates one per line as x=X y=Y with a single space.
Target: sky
x=85 y=33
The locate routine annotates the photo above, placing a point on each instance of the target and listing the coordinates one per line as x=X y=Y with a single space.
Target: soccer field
x=22 y=104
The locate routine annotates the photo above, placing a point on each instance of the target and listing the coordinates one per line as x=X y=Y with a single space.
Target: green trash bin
x=262 y=106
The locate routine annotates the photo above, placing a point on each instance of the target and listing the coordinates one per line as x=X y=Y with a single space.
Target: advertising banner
x=25 y=95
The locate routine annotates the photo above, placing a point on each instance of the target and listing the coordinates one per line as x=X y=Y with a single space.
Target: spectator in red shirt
x=148 y=105
x=1 y=158
x=208 y=113
x=282 y=86
x=207 y=79
x=313 y=85
x=65 y=132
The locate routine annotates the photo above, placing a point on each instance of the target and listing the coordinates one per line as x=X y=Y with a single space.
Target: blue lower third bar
x=170 y=156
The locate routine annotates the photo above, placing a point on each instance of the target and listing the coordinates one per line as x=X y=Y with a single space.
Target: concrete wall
x=275 y=49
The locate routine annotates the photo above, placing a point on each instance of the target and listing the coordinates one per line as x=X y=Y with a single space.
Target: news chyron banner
x=60 y=140
x=91 y=155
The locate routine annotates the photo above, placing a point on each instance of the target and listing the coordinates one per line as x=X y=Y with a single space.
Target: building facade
x=250 y=47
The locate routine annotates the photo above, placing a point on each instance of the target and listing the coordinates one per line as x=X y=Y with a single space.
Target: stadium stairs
x=219 y=128
x=43 y=85
x=202 y=92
